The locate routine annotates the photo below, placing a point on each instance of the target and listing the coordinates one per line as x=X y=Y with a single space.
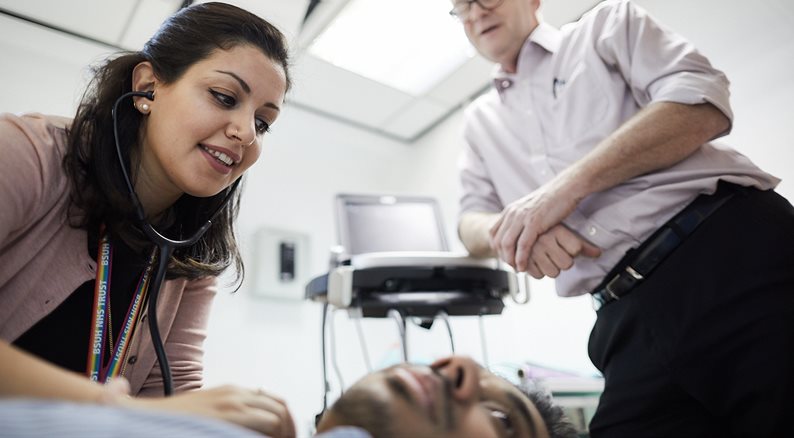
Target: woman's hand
x=254 y=409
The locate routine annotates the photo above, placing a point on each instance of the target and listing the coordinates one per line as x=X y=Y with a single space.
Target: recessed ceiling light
x=410 y=45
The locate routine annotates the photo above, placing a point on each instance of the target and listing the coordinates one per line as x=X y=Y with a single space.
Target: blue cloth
x=39 y=418
x=21 y=418
x=345 y=432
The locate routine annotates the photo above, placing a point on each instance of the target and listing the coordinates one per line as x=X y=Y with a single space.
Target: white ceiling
x=319 y=86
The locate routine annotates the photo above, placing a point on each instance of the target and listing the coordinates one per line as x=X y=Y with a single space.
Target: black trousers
x=705 y=345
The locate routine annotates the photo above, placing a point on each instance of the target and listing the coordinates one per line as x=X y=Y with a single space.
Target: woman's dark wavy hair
x=99 y=194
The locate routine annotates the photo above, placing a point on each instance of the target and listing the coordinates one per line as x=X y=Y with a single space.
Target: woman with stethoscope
x=153 y=155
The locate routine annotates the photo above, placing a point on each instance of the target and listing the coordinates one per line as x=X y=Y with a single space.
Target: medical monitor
x=375 y=223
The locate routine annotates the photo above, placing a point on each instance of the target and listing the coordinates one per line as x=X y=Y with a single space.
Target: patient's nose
x=463 y=374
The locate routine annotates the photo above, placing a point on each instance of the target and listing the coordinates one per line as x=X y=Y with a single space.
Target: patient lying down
x=454 y=397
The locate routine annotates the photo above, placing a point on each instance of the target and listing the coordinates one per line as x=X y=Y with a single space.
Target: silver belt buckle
x=610 y=292
x=633 y=272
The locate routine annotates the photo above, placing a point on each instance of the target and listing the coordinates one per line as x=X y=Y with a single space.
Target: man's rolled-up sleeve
x=658 y=64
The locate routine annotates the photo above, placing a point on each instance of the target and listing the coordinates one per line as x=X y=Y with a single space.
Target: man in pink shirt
x=591 y=161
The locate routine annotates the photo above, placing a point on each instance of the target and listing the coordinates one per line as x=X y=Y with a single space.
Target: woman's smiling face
x=204 y=130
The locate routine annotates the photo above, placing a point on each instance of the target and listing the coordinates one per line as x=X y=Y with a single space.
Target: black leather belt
x=639 y=263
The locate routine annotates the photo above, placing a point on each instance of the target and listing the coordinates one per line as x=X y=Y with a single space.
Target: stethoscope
x=165 y=246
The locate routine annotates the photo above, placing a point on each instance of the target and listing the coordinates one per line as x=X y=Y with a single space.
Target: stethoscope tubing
x=165 y=247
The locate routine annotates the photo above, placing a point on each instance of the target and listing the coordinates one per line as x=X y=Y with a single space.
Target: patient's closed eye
x=503 y=422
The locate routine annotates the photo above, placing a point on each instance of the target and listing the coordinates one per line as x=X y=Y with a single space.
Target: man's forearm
x=473 y=230
x=657 y=137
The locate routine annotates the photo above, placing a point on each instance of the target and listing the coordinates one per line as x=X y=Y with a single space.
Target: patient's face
x=452 y=397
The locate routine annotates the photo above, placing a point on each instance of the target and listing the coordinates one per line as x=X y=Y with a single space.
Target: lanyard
x=100 y=325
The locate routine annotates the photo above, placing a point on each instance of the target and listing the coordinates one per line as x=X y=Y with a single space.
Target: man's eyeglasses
x=462 y=8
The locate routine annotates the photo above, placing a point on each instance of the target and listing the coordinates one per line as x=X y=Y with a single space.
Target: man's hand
x=521 y=223
x=555 y=250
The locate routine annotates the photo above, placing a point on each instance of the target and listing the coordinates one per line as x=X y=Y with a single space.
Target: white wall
x=307 y=159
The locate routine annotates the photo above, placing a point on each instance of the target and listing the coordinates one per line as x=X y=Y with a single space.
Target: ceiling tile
x=98 y=19
x=339 y=93
x=414 y=118
x=463 y=83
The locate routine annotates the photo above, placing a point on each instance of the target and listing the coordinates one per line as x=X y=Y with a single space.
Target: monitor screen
x=373 y=223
